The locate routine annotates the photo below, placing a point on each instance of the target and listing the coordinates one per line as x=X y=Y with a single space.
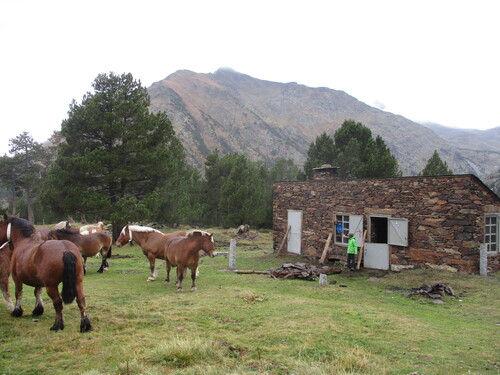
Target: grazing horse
x=183 y=252
x=5 y=256
x=44 y=264
x=151 y=241
x=89 y=245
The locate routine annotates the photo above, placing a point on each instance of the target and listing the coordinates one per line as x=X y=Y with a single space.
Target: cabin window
x=491 y=232
x=343 y=224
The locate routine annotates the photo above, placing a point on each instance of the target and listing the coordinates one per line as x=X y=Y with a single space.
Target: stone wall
x=445 y=216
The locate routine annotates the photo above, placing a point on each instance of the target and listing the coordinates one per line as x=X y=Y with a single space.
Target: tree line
x=113 y=160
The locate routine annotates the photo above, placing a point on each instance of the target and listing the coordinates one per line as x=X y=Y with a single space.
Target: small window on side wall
x=491 y=232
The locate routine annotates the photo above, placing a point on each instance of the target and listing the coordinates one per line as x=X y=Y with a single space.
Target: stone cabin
x=410 y=222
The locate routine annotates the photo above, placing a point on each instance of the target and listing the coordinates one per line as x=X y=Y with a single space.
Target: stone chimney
x=326 y=172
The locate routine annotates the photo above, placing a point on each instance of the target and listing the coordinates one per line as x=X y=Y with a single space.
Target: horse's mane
x=26 y=228
x=195 y=231
x=139 y=228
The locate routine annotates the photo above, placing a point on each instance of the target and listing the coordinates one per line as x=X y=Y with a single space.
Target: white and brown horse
x=151 y=241
x=92 y=228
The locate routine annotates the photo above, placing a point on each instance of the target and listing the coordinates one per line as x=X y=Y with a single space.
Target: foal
x=184 y=253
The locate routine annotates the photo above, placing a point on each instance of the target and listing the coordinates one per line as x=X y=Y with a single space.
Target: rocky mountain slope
x=264 y=120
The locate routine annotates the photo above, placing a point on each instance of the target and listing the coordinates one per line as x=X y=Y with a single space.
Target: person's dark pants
x=350 y=261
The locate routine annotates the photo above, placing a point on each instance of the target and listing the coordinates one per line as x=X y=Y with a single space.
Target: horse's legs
x=58 y=306
x=168 y=267
x=18 y=310
x=104 y=265
x=4 y=284
x=193 y=278
x=84 y=265
x=180 y=276
x=85 y=324
x=38 y=310
x=152 y=259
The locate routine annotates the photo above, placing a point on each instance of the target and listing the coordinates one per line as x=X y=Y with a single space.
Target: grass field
x=253 y=324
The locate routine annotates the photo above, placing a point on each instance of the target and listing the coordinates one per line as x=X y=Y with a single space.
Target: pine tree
x=321 y=151
x=435 y=166
x=115 y=154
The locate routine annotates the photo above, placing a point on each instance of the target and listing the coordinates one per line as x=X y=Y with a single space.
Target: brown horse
x=151 y=241
x=5 y=256
x=44 y=264
x=183 y=253
x=89 y=245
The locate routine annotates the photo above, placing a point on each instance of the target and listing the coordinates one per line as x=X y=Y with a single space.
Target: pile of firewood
x=301 y=271
x=434 y=291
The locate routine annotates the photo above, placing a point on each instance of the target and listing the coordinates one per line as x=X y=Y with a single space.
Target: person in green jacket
x=352 y=249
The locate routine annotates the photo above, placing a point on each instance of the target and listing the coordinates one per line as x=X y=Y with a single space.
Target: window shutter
x=398 y=232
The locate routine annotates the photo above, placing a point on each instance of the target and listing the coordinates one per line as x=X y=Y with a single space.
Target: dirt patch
x=118 y=256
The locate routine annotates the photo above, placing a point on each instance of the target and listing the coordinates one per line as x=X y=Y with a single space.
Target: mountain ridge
x=267 y=120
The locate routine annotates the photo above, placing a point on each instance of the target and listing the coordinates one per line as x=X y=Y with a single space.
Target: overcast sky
x=436 y=61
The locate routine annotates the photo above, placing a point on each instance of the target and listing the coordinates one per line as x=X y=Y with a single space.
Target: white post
x=483 y=260
x=323 y=279
x=232 y=253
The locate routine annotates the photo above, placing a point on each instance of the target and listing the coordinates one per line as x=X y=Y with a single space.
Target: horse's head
x=206 y=242
x=13 y=227
x=124 y=237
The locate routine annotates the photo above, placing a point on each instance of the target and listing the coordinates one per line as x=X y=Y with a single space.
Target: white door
x=376 y=256
x=295 y=234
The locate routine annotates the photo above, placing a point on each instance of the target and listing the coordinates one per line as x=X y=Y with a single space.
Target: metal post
x=232 y=253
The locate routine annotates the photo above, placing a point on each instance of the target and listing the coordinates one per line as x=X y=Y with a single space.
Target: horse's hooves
x=194 y=289
x=106 y=269
x=167 y=283
x=151 y=279
x=179 y=290
x=85 y=325
x=18 y=312
x=38 y=310
x=58 y=325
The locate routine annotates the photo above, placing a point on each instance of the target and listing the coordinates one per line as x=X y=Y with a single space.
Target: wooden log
x=325 y=250
x=251 y=272
x=284 y=239
x=360 y=255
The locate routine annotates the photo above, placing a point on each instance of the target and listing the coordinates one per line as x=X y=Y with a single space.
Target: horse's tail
x=69 y=277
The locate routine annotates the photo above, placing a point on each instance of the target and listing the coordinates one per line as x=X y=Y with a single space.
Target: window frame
x=491 y=229
x=345 y=231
